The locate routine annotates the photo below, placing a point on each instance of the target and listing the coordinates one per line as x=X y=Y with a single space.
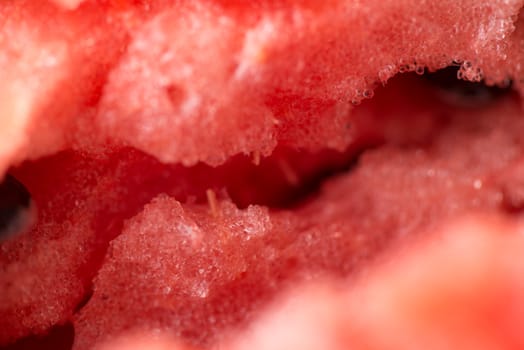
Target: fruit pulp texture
x=281 y=91
x=197 y=265
x=138 y=73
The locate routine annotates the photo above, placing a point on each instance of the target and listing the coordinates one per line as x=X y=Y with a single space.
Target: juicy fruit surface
x=210 y=270
x=468 y=289
x=125 y=90
x=389 y=309
x=280 y=71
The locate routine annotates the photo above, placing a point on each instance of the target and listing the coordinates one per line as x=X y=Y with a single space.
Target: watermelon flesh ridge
x=263 y=88
x=189 y=195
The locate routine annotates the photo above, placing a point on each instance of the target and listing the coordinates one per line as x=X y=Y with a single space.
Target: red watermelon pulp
x=263 y=175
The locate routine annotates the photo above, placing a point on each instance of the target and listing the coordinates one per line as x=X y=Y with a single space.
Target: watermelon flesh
x=390 y=310
x=181 y=196
x=282 y=78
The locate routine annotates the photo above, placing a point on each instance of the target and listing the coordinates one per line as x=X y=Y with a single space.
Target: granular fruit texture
x=197 y=270
x=138 y=72
x=388 y=309
x=190 y=161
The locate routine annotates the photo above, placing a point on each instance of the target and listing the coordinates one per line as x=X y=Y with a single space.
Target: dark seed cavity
x=17 y=212
x=462 y=93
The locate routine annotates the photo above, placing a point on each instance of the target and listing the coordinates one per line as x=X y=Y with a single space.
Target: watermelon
x=190 y=161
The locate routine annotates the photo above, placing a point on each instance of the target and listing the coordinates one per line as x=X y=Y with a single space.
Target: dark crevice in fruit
x=16 y=208
x=309 y=187
x=60 y=337
x=462 y=93
x=85 y=299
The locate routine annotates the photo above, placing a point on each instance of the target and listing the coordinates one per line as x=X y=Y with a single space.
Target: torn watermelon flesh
x=257 y=252
x=284 y=73
x=104 y=127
